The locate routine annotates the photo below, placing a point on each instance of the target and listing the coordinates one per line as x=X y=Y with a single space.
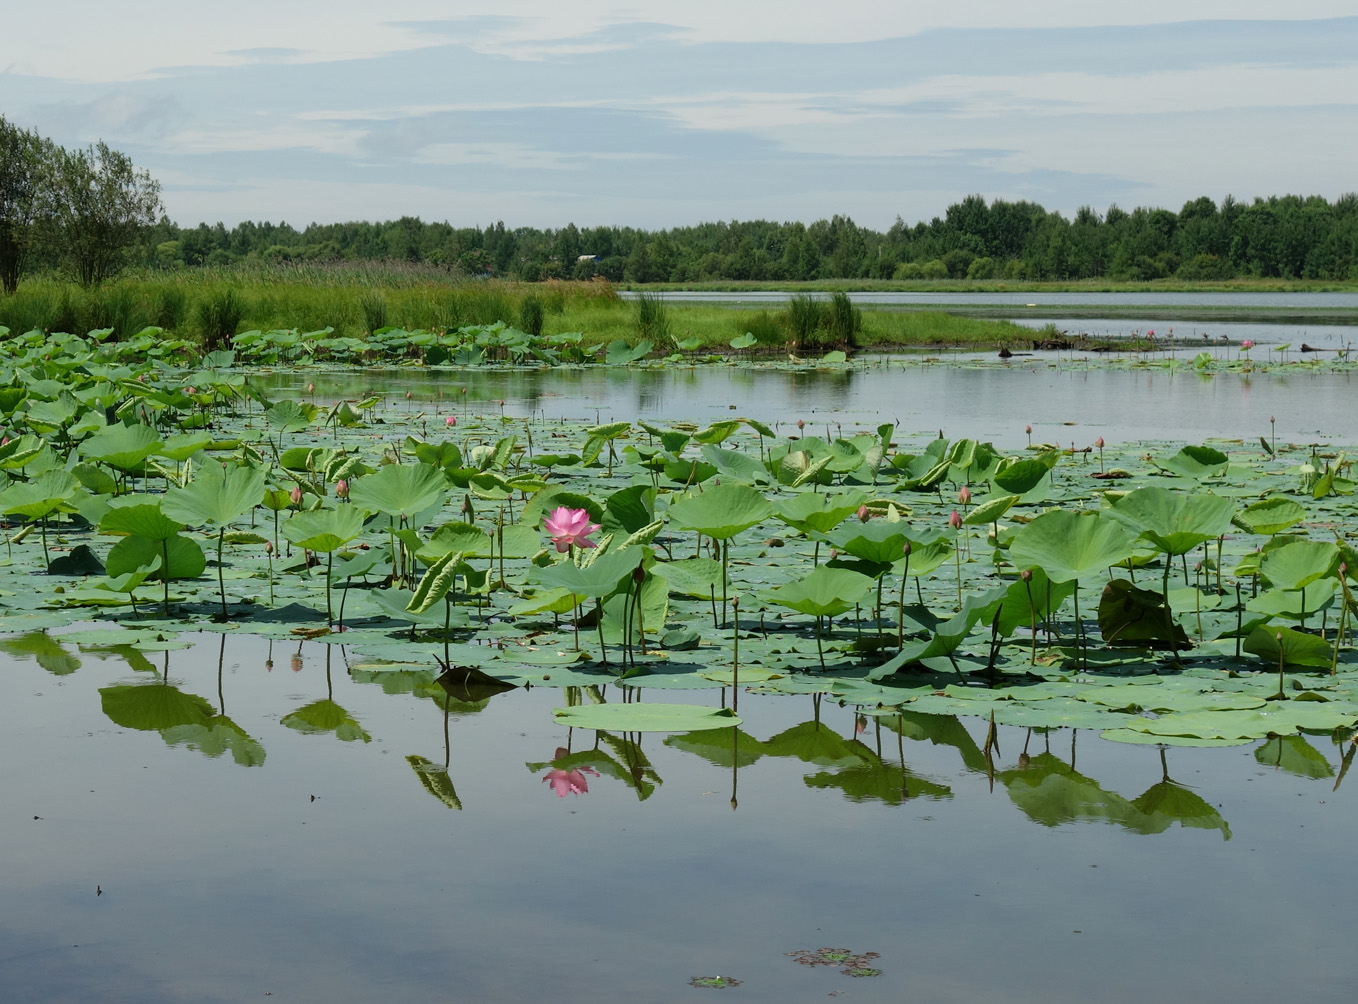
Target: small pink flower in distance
x=964 y=495
x=268 y=547
x=1028 y=429
x=296 y=495
x=408 y=395
x=1150 y=333
x=569 y=527
x=801 y=424
x=955 y=520
x=1099 y=442
x=450 y=421
x=1247 y=344
x=311 y=388
x=342 y=488
x=863 y=514
x=191 y=391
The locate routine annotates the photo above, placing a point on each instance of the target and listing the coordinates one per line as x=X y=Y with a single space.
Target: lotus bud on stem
x=1099 y=443
x=1029 y=430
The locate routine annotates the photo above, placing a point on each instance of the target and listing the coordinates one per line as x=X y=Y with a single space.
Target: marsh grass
x=355 y=300
x=653 y=320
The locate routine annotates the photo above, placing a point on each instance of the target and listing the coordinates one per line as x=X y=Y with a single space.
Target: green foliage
x=219 y=318
x=653 y=319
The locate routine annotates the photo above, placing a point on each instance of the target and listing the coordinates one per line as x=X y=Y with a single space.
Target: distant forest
x=1287 y=237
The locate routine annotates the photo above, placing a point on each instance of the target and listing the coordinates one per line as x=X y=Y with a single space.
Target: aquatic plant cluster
x=1199 y=595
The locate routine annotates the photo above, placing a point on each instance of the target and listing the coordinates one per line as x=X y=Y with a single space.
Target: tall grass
x=314 y=298
x=653 y=320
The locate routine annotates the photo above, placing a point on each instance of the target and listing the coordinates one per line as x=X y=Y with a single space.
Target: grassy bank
x=209 y=307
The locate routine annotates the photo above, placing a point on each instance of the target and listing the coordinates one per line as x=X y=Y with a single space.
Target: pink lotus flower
x=1099 y=442
x=864 y=514
x=955 y=520
x=1247 y=344
x=296 y=495
x=964 y=495
x=450 y=421
x=342 y=488
x=569 y=527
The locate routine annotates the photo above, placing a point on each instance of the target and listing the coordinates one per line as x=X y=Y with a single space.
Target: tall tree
x=104 y=204
x=26 y=196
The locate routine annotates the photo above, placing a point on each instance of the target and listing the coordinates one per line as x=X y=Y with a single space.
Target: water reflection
x=965 y=397
x=870 y=757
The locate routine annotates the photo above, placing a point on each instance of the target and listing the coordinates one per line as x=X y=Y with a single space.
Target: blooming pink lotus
x=569 y=527
x=450 y=421
x=1246 y=345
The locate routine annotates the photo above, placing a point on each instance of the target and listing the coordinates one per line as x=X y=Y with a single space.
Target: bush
x=935 y=269
x=219 y=315
x=530 y=315
x=907 y=270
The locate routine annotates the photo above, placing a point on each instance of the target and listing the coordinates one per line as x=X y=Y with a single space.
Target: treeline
x=86 y=211
x=1287 y=237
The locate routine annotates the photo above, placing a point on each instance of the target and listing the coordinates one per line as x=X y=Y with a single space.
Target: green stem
x=221 y=581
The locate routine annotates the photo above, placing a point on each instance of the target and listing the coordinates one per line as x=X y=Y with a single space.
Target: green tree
x=26 y=161
x=103 y=206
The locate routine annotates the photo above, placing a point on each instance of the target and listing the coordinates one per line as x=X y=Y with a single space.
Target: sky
x=659 y=114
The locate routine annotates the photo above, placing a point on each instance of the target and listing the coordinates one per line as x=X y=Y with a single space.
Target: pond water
x=152 y=866
x=964 y=394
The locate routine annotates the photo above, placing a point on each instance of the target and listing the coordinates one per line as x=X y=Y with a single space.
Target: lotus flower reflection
x=570 y=528
x=569 y=782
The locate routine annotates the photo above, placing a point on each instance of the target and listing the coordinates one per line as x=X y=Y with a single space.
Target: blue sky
x=651 y=115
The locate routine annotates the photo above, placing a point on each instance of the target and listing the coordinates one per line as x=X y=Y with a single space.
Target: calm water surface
x=138 y=868
x=964 y=394
x=1152 y=298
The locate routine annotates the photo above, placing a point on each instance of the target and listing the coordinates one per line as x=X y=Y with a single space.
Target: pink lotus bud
x=5 y=441
x=191 y=391
x=1247 y=344
x=502 y=402
x=450 y=421
x=296 y=495
x=141 y=378
x=964 y=496
x=1028 y=429
x=955 y=520
x=801 y=424
x=1150 y=333
x=311 y=388
x=1271 y=420
x=1099 y=442
x=268 y=547
x=834 y=553
x=1026 y=575
x=342 y=488
x=863 y=513
x=408 y=395
x=906 y=549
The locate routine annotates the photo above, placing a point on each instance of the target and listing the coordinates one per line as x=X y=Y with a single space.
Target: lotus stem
x=329 y=566
x=735 y=653
x=599 y=617
x=221 y=581
x=900 y=624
